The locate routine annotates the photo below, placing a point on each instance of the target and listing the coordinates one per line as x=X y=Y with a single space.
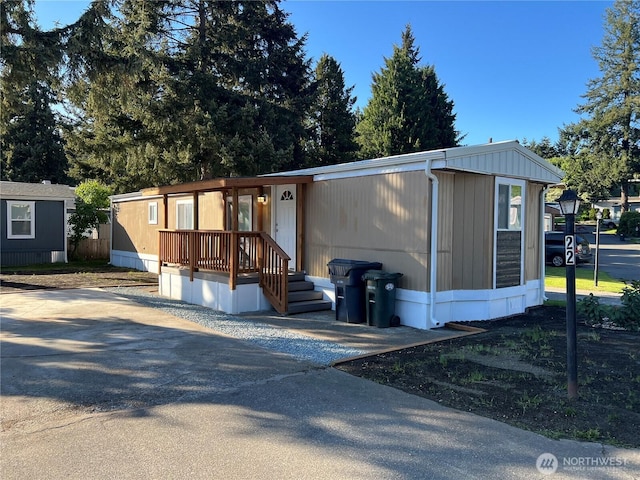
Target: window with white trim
x=21 y=219
x=153 y=213
x=509 y=235
x=245 y=213
x=509 y=204
x=184 y=214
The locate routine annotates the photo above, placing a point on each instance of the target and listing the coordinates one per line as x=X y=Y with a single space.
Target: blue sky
x=514 y=69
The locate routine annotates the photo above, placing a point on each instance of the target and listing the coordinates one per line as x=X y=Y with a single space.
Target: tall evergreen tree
x=332 y=119
x=31 y=148
x=605 y=144
x=124 y=130
x=191 y=89
x=409 y=110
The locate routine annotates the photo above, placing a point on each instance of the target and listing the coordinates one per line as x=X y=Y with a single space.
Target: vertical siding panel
x=457 y=212
x=445 y=231
x=374 y=218
x=131 y=229
x=472 y=232
x=211 y=211
x=485 y=252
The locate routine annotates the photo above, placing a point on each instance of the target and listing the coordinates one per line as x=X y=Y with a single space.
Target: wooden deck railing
x=230 y=252
x=274 y=273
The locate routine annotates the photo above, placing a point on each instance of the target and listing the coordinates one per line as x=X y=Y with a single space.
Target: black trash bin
x=346 y=275
x=381 y=298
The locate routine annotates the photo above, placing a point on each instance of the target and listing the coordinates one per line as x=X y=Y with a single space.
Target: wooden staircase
x=302 y=297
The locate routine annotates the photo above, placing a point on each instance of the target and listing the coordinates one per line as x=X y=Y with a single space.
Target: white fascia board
x=36 y=198
x=552 y=174
x=456 y=152
x=129 y=197
x=447 y=158
x=399 y=163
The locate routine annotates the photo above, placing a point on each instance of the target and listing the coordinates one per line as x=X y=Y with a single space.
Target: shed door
x=285 y=220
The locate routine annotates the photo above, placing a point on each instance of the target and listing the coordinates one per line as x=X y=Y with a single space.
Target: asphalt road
x=96 y=386
x=619 y=259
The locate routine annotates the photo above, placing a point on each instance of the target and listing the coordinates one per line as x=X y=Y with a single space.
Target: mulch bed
x=515 y=372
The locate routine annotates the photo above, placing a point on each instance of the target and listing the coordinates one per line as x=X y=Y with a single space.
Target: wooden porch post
x=300 y=191
x=165 y=207
x=260 y=214
x=196 y=211
x=260 y=228
x=192 y=253
x=165 y=222
x=234 y=200
x=235 y=244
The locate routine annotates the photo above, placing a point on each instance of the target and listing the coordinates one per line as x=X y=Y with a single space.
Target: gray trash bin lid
x=380 y=275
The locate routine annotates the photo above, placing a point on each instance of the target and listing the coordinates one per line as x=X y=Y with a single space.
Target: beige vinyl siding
x=131 y=229
x=446 y=186
x=472 y=210
x=378 y=218
x=133 y=233
x=210 y=210
x=532 y=247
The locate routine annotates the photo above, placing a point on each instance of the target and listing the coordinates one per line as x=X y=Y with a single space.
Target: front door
x=285 y=221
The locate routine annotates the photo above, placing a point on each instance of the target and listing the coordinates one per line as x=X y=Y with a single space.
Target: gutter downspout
x=433 y=260
x=541 y=296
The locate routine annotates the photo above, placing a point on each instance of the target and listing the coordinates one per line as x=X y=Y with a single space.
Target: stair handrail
x=274 y=272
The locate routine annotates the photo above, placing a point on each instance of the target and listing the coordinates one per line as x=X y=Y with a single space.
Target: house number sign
x=569 y=250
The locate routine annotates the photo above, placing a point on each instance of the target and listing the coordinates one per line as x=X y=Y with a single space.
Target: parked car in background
x=554 y=249
x=608 y=223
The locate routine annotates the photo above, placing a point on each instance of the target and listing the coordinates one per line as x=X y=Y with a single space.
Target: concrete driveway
x=96 y=386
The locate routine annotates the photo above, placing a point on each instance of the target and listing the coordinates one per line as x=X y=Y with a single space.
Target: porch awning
x=226 y=184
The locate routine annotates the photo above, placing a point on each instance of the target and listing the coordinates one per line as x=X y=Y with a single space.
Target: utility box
x=346 y=275
x=381 y=298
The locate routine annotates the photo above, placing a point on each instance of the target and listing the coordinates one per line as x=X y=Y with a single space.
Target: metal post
x=572 y=361
x=596 y=263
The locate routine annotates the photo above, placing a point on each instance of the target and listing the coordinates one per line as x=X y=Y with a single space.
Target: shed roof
x=35 y=191
x=507 y=159
x=225 y=183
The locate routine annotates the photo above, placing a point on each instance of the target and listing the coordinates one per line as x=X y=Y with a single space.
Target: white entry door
x=285 y=221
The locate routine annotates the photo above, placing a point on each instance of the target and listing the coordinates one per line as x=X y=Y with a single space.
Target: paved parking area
x=97 y=386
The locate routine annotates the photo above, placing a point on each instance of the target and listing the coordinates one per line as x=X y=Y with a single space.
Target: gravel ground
x=302 y=347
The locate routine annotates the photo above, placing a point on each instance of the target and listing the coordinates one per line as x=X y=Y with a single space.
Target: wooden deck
x=236 y=256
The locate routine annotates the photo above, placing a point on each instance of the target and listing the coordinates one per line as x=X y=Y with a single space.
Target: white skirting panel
x=137 y=261
x=455 y=305
x=58 y=256
x=212 y=291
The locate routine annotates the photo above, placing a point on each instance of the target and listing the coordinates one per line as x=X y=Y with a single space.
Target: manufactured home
x=463 y=225
x=34 y=222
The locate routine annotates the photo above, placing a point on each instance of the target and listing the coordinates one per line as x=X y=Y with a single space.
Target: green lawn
x=555 y=277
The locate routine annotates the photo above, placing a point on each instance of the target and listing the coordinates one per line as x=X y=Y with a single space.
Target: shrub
x=626 y=316
x=606 y=213
x=629 y=225
x=91 y=197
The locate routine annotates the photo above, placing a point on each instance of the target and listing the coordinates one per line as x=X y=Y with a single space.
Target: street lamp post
x=595 y=265
x=569 y=204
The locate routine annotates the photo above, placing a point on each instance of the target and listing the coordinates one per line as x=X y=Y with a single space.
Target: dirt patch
x=85 y=275
x=515 y=372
